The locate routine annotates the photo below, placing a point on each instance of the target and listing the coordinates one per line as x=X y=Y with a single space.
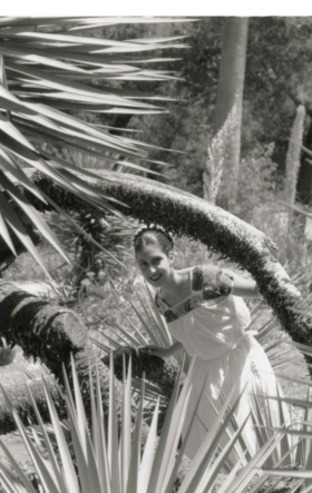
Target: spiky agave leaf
x=49 y=66
x=106 y=460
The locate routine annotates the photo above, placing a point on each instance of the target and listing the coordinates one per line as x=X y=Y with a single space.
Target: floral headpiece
x=153 y=227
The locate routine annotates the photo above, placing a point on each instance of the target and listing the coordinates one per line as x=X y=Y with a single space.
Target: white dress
x=211 y=324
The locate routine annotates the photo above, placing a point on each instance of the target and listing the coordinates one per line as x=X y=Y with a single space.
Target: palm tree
x=51 y=70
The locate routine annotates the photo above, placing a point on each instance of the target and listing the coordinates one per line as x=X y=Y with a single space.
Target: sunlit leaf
x=49 y=60
x=31 y=212
x=11 y=218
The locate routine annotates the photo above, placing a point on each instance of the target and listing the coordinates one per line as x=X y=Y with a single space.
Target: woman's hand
x=153 y=350
x=159 y=351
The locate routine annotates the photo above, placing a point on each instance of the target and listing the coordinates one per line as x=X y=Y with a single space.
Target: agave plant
x=50 y=70
x=111 y=456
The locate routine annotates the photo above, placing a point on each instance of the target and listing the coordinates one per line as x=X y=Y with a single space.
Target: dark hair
x=153 y=235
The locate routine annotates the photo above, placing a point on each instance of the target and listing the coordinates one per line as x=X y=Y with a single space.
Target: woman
x=207 y=316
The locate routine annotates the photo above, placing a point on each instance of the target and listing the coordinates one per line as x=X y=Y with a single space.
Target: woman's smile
x=155 y=277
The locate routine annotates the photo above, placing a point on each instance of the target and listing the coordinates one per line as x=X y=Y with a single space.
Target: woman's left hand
x=153 y=350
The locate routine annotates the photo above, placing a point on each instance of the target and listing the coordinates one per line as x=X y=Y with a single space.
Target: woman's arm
x=160 y=351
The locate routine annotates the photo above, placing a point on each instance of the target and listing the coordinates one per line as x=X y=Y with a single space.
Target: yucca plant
x=50 y=70
x=105 y=456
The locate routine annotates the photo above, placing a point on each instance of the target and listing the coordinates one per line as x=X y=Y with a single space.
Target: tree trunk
x=217 y=157
x=52 y=333
x=293 y=165
x=230 y=90
x=304 y=187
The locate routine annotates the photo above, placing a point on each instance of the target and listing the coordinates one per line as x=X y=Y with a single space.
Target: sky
x=155 y=8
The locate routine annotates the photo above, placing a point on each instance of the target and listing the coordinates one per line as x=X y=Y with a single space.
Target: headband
x=153 y=227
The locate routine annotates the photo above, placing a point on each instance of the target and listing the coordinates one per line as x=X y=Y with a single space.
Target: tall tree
x=231 y=87
x=217 y=149
x=293 y=159
x=304 y=185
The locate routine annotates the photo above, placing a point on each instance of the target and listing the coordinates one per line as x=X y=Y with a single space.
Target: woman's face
x=155 y=265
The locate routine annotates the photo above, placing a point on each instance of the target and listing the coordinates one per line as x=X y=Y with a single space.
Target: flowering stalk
x=293 y=159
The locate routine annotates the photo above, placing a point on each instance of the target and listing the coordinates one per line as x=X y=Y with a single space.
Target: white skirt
x=246 y=369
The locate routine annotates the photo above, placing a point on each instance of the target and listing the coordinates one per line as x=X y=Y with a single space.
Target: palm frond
x=49 y=66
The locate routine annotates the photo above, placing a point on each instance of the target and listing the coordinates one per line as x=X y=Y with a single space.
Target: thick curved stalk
x=221 y=232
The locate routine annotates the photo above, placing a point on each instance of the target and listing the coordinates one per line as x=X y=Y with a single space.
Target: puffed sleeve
x=212 y=281
x=164 y=309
